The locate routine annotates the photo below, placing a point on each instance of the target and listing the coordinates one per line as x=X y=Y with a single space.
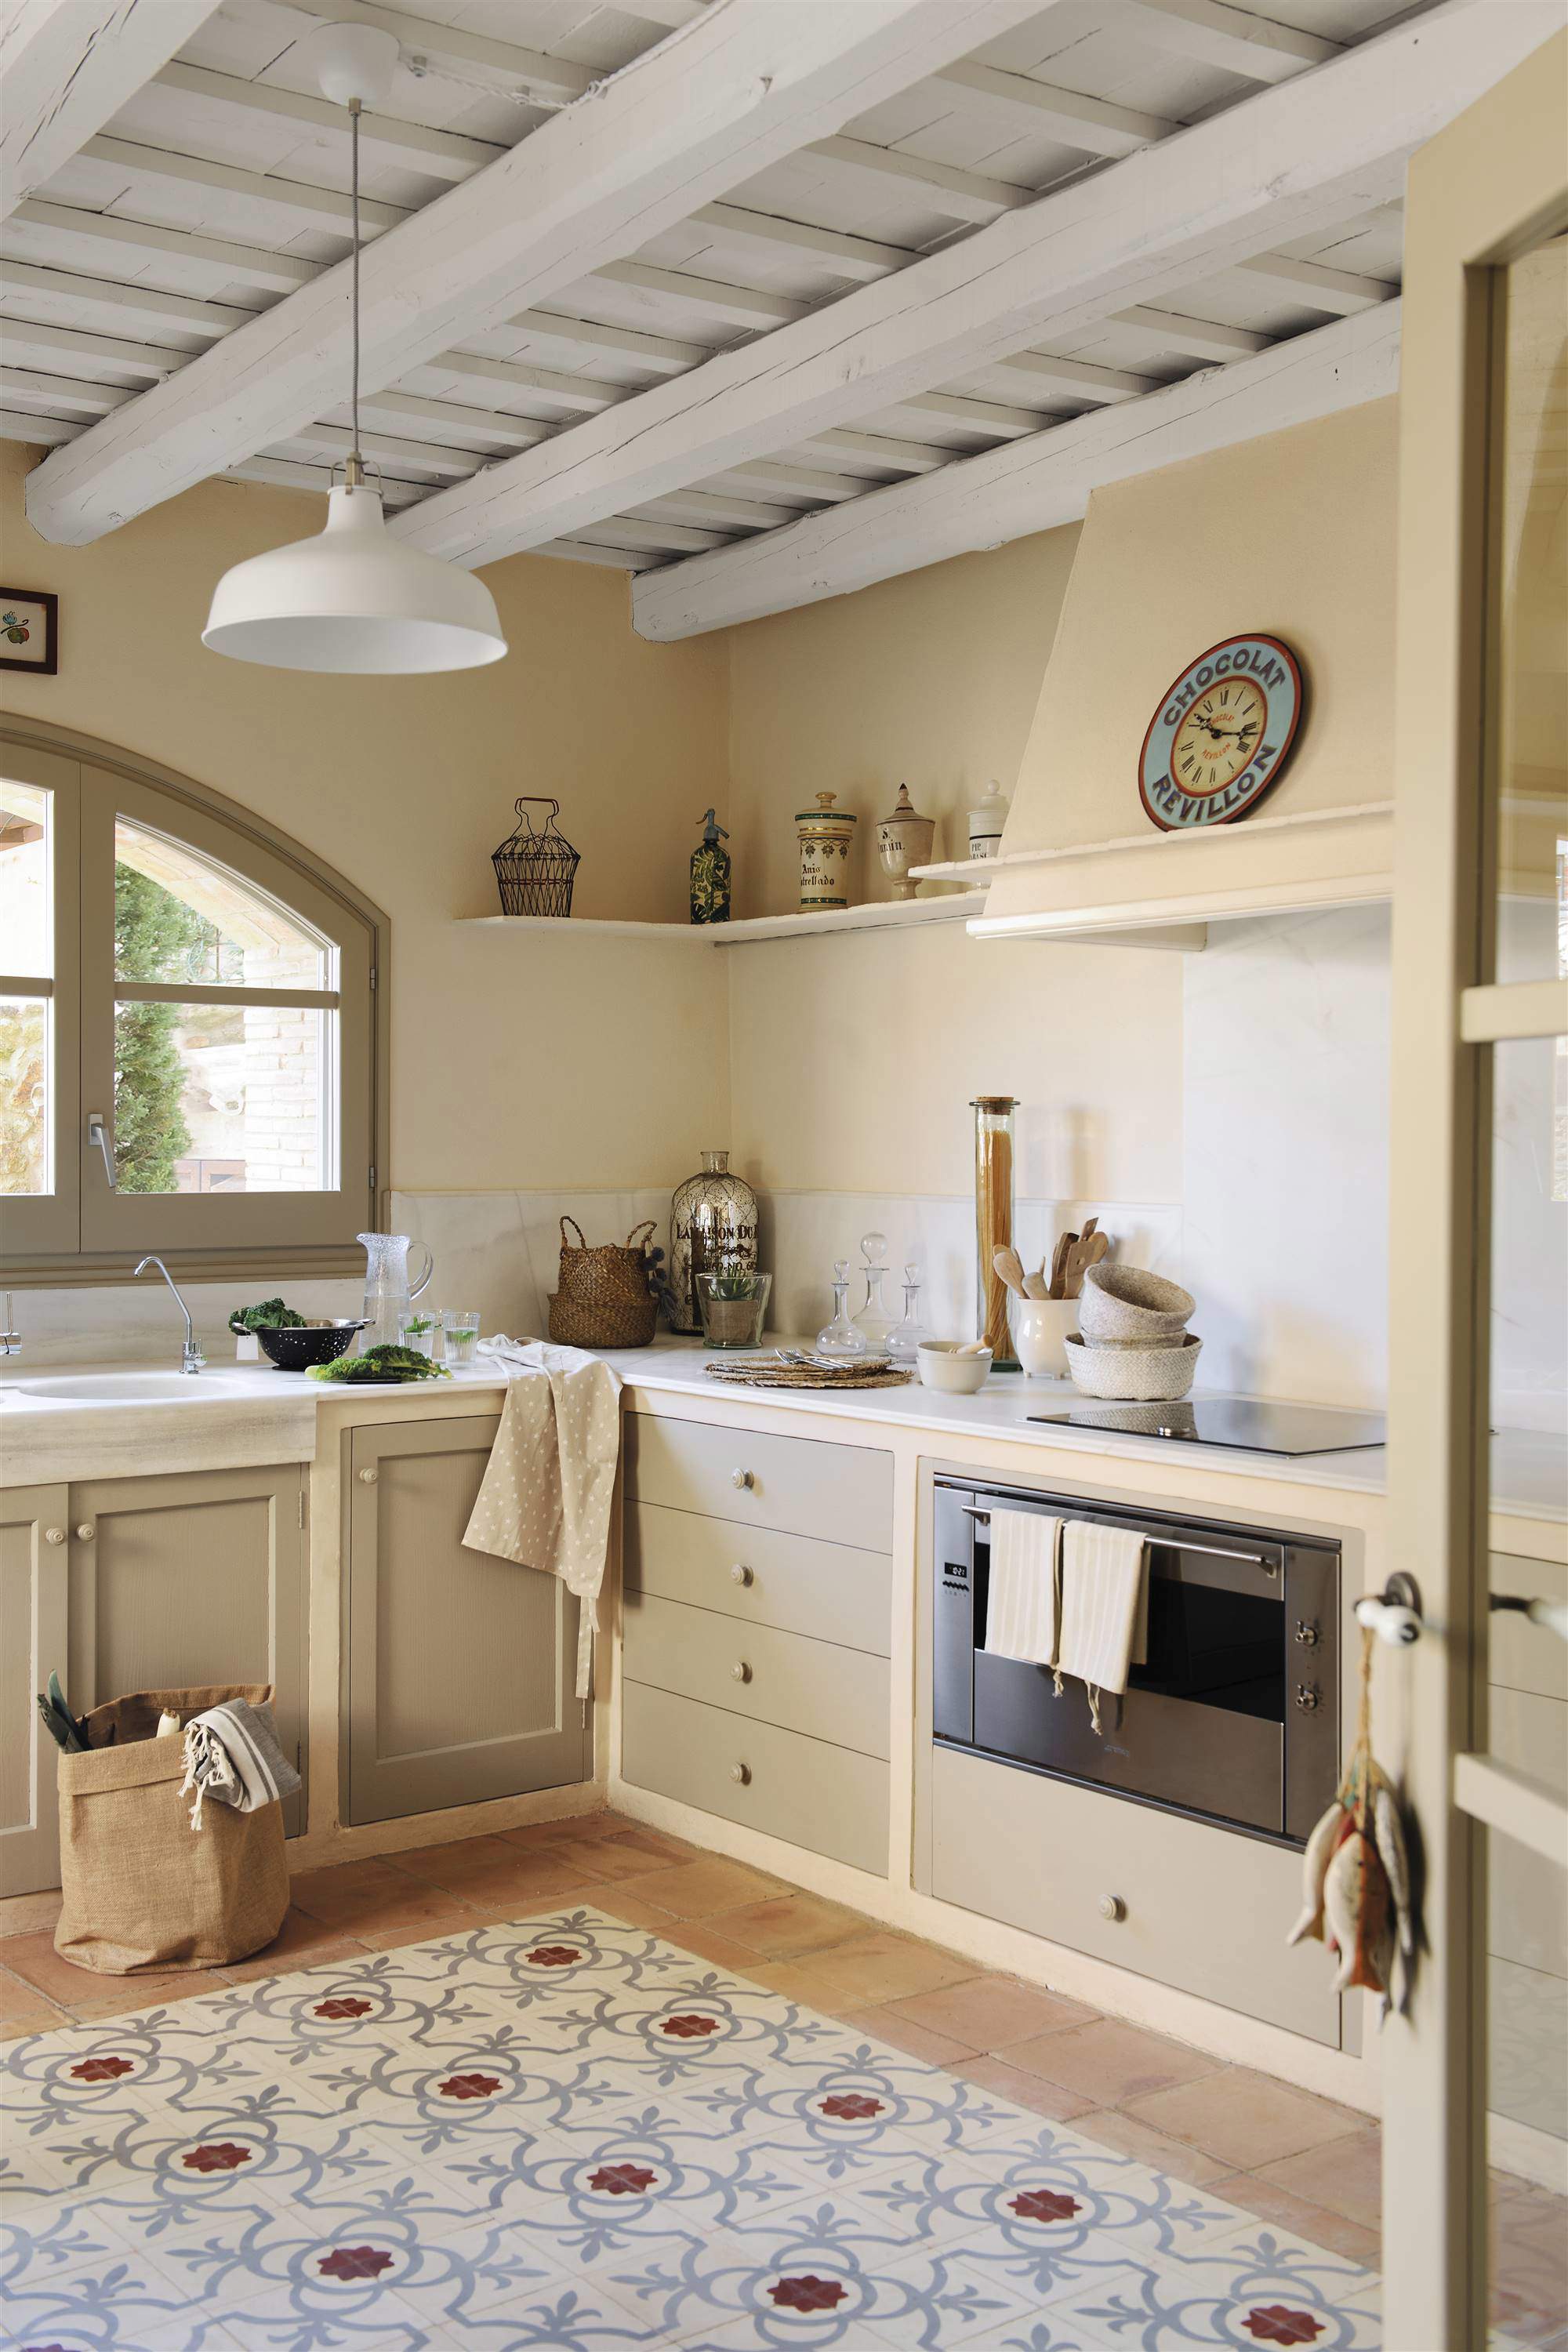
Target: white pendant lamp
x=353 y=599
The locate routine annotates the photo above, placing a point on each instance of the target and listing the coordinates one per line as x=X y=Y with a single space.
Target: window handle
x=98 y=1139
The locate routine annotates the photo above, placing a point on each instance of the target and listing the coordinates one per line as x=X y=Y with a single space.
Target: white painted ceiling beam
x=800 y=481
x=26 y=339
x=1027 y=485
x=718 y=507
x=1341 y=291
x=487 y=423
x=662 y=354
x=186 y=313
x=592 y=551
x=991 y=417
x=524 y=69
x=1079 y=379
x=673 y=538
x=69 y=392
x=279 y=272
x=440 y=154
x=881 y=449
x=1311 y=152
x=583 y=391
x=845 y=256
x=68 y=66
x=324 y=208
x=288 y=473
x=1234 y=39
x=744 y=306
x=43 y=432
x=1089 y=124
x=431 y=456
x=741 y=88
x=1172 y=331
x=965 y=196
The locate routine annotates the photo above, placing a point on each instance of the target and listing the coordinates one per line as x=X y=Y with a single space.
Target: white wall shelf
x=879 y=915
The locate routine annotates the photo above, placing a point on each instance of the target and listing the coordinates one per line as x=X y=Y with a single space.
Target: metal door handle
x=1394 y=1613
x=1550 y=1615
x=98 y=1138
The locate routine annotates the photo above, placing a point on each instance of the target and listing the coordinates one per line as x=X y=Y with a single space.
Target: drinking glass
x=461 y=1326
x=418 y=1332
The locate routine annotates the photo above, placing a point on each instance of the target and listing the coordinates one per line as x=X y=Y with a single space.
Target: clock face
x=1223 y=734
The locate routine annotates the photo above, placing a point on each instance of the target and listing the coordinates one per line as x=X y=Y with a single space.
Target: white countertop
x=244 y=1415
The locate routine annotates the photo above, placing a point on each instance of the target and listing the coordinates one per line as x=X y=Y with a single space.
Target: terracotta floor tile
x=298 y=1944
x=42 y=2019
x=602 y=1858
x=803 y=1981
x=35 y=1959
x=450 y=1865
x=903 y=2033
x=337 y=1889
x=1031 y=2091
x=703 y=1941
x=1247 y=2120
x=400 y=1902
x=1124 y=2132
x=1346 y=2177
x=422 y=1931
x=17 y=1998
x=633 y=1909
x=1313 y=2222
x=989 y=2013
x=134 y=1994
x=784 y=1925
x=1108 y=2061
x=528 y=1880
x=882 y=1967
x=695 y=1890
x=310 y=1956
x=23 y=1915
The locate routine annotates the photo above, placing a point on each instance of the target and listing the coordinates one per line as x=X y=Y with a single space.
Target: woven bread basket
x=604 y=1300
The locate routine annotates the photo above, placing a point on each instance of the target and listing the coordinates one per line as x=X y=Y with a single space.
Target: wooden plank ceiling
x=756 y=299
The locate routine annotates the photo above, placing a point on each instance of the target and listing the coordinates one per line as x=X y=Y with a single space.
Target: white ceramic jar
x=1039 y=1328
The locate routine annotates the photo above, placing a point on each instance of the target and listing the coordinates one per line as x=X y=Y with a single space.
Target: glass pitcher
x=387 y=1290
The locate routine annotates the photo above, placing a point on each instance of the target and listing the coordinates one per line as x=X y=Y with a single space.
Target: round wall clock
x=1222 y=735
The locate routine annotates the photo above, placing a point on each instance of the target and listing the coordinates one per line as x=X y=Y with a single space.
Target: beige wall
x=516 y=1061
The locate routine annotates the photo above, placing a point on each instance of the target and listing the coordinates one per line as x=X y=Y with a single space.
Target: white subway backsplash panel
x=500 y=1252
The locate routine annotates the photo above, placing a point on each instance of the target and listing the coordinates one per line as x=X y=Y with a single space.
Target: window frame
x=83 y=1233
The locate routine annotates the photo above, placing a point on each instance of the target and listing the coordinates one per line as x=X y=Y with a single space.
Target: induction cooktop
x=1246 y=1422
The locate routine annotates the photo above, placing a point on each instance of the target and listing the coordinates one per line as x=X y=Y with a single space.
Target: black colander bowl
x=295 y=1347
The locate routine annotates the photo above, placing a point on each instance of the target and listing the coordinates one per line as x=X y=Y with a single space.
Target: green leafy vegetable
x=271 y=1315
x=384 y=1363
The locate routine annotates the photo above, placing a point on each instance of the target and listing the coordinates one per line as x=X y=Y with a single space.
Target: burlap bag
x=143 y=1889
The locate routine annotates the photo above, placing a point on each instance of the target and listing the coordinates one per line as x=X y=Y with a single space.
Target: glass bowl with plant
x=732 y=1298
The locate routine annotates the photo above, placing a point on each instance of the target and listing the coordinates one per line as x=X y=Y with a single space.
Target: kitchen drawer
x=1206 y=1910
x=826 y=1798
x=817 y=1687
x=795 y=1484
x=828 y=1591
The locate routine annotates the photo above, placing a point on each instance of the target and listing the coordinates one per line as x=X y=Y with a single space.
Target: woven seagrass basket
x=604 y=1300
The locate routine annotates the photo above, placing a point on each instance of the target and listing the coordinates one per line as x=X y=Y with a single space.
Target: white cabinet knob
x=368 y=1477
x=87 y=1530
x=739 y=1574
x=741 y=1774
x=739 y=1672
x=740 y=1478
x=54 y=1535
x=1111 y=1906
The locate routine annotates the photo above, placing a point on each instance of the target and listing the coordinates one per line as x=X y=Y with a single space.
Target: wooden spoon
x=1058 y=1265
x=1087 y=1252
x=1010 y=1267
x=1036 y=1286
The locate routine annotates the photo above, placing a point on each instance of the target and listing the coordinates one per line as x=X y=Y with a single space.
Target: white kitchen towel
x=1105 y=1607
x=1021 y=1610
x=232 y=1756
x=545 y=1498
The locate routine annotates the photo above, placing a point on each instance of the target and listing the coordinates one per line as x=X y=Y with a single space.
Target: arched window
x=189 y=1046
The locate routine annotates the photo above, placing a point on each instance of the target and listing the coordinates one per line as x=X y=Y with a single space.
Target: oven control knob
x=1111 y=1906
x=1307 y=1629
x=1308 y=1695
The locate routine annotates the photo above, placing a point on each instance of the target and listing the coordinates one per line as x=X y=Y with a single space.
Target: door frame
x=1487 y=189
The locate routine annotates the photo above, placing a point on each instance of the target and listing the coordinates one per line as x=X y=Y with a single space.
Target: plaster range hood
x=1290 y=536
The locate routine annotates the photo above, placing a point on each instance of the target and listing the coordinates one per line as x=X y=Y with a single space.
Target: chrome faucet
x=10 y=1338
x=190 y=1356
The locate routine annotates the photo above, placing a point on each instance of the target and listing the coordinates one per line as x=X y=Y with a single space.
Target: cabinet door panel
x=32 y=1642
x=461 y=1665
x=192 y=1578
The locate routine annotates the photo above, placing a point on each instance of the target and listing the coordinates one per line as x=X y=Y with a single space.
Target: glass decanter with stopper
x=841 y=1337
x=874 y=1322
x=905 y=1337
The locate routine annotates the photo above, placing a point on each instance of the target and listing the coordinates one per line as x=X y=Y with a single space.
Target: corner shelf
x=879 y=915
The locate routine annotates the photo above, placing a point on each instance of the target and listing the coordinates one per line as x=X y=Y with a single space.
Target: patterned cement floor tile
x=562 y=2132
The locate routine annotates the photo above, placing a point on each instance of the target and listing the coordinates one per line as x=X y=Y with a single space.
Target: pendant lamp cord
x=356 y=470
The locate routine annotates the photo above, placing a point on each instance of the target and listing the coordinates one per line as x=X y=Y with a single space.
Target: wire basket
x=535 y=865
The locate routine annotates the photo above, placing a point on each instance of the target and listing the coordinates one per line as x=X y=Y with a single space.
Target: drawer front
x=1205 y=1909
x=826 y=1798
x=827 y=1591
x=817 y=1687
x=794 y=1484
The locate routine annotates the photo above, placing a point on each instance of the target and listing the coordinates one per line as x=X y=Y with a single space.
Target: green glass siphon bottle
x=710 y=874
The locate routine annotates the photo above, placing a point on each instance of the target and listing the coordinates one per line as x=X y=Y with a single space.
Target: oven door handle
x=982 y=1517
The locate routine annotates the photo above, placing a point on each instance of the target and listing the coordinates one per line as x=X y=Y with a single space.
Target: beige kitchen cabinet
x=460 y=1666
x=188 y=1578
x=33 y=1587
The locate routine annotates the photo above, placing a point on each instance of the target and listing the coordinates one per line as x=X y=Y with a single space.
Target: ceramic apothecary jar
x=824 y=834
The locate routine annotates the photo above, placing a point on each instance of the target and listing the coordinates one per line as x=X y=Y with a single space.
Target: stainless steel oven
x=1234 y=1716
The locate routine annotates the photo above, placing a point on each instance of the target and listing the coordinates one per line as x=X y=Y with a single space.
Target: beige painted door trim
x=30 y=1844
x=1487 y=189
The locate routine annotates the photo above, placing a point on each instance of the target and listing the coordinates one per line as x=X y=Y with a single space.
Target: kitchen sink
x=106 y=1388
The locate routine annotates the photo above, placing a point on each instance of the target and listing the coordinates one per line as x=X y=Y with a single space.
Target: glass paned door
x=1479 y=1257
x=38 y=806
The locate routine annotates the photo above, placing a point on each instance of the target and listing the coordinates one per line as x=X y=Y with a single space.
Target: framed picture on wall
x=29 y=630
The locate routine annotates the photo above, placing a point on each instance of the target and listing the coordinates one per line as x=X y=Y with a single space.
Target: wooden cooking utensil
x=1036 y=1286
x=1010 y=1267
x=1087 y=1252
x=1059 y=1263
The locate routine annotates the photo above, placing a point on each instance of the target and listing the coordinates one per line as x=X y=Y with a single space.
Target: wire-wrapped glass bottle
x=993 y=1221
x=712 y=1222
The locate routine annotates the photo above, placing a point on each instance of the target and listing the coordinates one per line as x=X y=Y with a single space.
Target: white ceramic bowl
x=1039 y=1326
x=1125 y=1302
x=942 y=1367
x=1136 y=1374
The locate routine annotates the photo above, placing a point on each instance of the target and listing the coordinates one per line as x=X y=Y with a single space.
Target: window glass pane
x=179 y=916
x=1532 y=616
x=222 y=1099
x=23 y=1095
x=24 y=896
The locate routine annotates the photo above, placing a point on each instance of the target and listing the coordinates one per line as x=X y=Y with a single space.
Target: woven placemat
x=807 y=1376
